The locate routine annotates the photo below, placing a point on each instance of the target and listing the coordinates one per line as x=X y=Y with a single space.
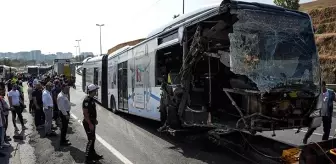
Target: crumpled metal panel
x=273 y=50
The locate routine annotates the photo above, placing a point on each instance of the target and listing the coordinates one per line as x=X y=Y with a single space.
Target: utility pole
x=76 y=50
x=183 y=7
x=100 y=25
x=78 y=40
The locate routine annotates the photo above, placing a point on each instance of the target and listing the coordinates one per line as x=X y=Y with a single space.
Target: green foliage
x=289 y=4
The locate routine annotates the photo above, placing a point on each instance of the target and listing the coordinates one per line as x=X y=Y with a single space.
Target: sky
x=53 y=26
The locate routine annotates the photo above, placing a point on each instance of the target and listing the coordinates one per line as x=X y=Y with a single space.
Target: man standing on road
x=48 y=105
x=38 y=105
x=64 y=107
x=5 y=111
x=14 y=103
x=54 y=92
x=30 y=96
x=328 y=96
x=89 y=123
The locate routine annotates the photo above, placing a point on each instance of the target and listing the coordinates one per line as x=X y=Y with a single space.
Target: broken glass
x=274 y=50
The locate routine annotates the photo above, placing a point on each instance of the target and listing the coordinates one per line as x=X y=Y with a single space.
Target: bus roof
x=96 y=58
x=182 y=19
x=120 y=50
x=205 y=12
x=32 y=66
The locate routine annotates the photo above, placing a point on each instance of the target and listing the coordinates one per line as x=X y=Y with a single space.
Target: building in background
x=35 y=55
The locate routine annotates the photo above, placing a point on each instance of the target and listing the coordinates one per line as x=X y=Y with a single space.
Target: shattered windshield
x=274 y=50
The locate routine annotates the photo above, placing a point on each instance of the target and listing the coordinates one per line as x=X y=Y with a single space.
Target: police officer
x=89 y=123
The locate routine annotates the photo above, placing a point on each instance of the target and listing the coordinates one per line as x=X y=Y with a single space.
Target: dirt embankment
x=324 y=21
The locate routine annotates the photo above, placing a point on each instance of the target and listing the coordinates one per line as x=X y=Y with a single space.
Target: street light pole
x=78 y=40
x=76 y=50
x=100 y=25
x=183 y=7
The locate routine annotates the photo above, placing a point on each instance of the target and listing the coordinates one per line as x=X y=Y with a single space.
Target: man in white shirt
x=48 y=105
x=64 y=107
x=14 y=103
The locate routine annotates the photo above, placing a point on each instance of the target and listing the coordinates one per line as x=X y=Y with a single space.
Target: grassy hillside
x=323 y=13
x=317 y=4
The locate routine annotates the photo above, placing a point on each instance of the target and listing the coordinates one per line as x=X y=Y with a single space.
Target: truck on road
x=64 y=66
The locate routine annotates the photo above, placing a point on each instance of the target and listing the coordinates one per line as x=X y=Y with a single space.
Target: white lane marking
x=75 y=117
x=114 y=151
x=319 y=134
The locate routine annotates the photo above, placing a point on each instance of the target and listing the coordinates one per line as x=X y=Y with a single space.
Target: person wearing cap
x=64 y=107
x=48 y=105
x=90 y=122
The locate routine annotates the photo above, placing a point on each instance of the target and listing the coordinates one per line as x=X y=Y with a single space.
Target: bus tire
x=113 y=105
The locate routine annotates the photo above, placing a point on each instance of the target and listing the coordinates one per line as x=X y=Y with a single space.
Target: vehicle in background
x=241 y=65
x=7 y=72
x=64 y=66
x=33 y=71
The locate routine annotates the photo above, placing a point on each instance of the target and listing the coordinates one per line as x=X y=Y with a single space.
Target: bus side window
x=168 y=62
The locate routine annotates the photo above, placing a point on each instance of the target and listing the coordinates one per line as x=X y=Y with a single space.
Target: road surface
x=127 y=139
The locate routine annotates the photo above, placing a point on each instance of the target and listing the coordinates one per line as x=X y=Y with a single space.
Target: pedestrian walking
x=89 y=123
x=38 y=106
x=48 y=110
x=328 y=97
x=16 y=108
x=64 y=107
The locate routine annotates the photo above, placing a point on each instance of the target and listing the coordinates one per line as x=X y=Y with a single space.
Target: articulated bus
x=195 y=67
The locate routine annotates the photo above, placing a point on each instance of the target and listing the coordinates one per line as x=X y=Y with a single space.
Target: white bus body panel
x=112 y=81
x=144 y=97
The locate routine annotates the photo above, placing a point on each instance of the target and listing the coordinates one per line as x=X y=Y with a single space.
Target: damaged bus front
x=249 y=66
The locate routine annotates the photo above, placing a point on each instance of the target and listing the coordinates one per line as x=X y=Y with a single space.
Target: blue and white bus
x=260 y=58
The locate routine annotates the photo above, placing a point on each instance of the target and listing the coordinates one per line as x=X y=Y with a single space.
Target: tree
x=289 y=4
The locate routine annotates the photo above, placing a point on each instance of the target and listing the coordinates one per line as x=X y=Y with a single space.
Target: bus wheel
x=113 y=105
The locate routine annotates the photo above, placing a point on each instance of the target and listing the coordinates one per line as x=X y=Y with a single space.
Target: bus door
x=122 y=86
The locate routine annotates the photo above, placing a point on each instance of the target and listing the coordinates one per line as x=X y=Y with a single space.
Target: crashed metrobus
x=246 y=66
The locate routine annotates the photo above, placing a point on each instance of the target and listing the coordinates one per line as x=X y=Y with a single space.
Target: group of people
x=15 y=105
x=49 y=100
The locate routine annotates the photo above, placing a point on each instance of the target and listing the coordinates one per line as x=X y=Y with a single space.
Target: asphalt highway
x=128 y=139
